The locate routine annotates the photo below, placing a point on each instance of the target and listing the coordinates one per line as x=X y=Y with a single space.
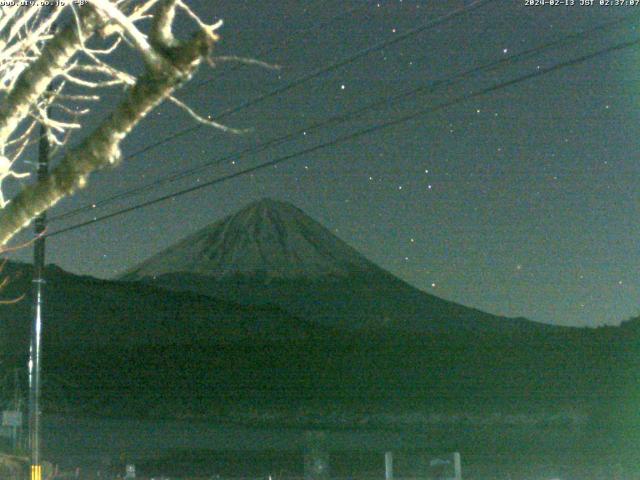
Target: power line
x=318 y=26
x=359 y=133
x=340 y=118
x=316 y=73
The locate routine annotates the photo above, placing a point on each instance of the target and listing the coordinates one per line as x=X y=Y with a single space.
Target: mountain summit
x=267 y=238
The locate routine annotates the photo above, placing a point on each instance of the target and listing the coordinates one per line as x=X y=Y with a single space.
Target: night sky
x=522 y=202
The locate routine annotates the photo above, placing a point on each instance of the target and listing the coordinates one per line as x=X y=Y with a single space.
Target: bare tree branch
x=102 y=147
x=205 y=121
x=34 y=80
x=76 y=58
x=131 y=32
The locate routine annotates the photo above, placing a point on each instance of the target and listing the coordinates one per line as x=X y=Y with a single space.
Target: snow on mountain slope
x=267 y=238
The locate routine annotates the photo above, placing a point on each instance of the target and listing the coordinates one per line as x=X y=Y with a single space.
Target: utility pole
x=17 y=407
x=36 y=327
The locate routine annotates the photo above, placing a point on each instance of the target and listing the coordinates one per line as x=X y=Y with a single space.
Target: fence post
x=457 y=465
x=388 y=466
x=316 y=459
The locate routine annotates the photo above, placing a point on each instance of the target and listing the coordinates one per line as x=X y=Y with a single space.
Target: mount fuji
x=271 y=252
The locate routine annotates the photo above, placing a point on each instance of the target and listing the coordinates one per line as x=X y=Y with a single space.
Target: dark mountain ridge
x=81 y=310
x=348 y=334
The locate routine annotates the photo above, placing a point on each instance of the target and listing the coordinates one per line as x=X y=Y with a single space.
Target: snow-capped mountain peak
x=268 y=237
